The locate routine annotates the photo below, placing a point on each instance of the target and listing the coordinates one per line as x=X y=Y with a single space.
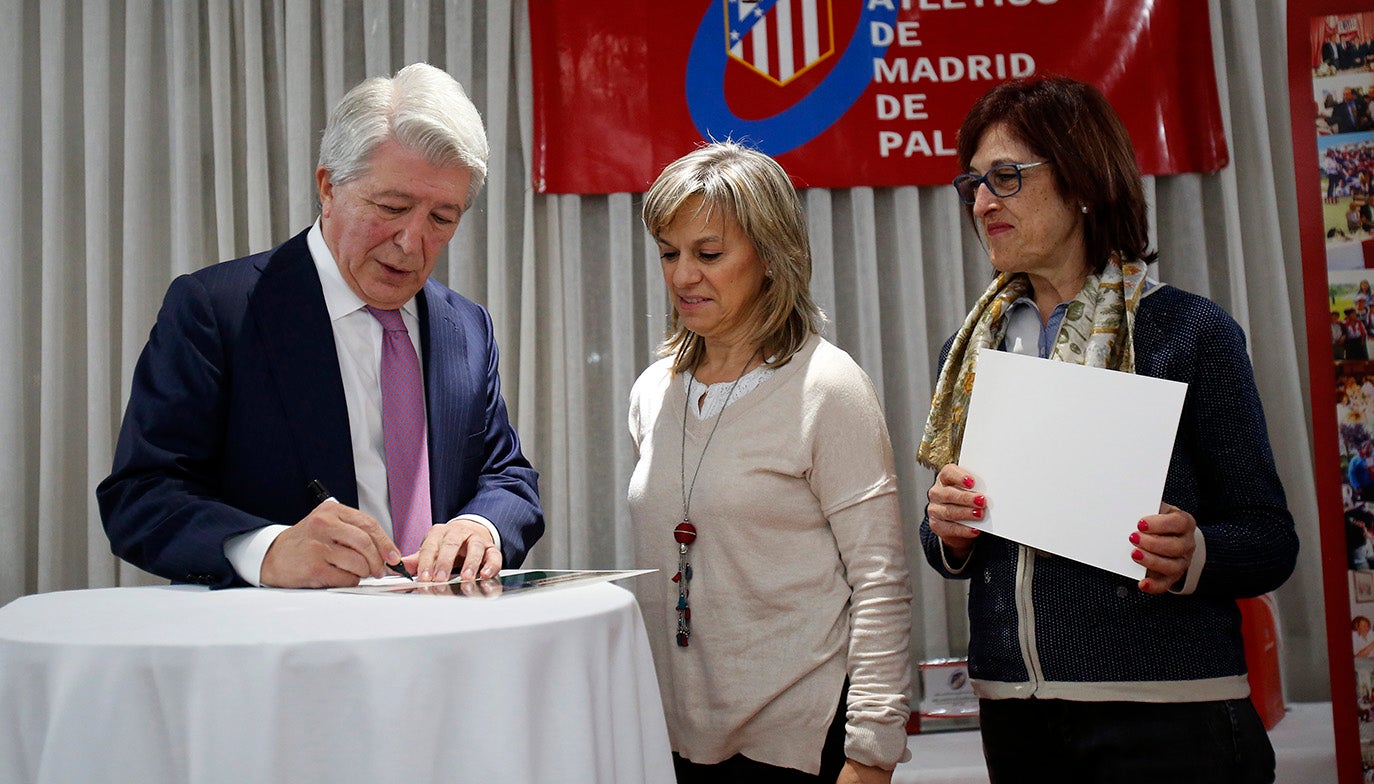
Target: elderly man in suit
x=1351 y=114
x=333 y=360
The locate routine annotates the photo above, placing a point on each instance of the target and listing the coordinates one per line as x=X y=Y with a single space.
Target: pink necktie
x=403 y=433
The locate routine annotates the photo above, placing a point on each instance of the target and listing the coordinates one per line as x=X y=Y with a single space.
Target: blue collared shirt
x=1023 y=323
x=1024 y=327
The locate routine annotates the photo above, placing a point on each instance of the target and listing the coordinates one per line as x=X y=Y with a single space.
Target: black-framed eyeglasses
x=1003 y=180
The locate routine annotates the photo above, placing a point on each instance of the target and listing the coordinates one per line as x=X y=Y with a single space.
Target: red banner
x=848 y=92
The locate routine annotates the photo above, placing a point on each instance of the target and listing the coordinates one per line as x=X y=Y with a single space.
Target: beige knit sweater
x=800 y=576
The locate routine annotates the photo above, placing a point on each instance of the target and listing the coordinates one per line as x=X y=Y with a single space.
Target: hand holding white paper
x=1031 y=422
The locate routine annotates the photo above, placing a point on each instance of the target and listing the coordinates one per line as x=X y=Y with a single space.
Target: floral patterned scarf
x=1096 y=332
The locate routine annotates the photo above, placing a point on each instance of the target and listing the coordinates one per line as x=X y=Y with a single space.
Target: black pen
x=321 y=495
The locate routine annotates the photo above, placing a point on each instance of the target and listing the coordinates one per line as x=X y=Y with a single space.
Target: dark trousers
x=1124 y=742
x=739 y=769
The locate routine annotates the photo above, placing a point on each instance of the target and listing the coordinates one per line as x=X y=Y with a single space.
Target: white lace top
x=716 y=393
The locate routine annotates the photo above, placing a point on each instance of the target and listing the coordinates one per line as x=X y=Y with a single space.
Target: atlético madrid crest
x=779 y=39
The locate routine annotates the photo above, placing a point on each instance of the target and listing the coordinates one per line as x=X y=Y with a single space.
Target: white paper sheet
x=1069 y=457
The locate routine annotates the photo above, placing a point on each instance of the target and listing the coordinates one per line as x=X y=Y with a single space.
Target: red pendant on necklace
x=684 y=534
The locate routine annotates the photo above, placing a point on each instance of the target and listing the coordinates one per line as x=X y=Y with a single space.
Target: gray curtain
x=145 y=138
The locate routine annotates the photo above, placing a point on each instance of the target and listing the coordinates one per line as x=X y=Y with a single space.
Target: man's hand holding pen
x=335 y=545
x=393 y=559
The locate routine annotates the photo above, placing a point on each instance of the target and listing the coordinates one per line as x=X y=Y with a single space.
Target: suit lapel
x=449 y=395
x=287 y=308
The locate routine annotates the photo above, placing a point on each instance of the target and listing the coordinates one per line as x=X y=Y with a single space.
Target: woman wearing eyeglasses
x=1084 y=675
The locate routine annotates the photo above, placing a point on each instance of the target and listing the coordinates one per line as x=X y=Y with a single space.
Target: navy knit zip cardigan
x=1054 y=628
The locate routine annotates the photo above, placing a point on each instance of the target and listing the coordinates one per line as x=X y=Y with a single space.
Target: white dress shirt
x=358 y=340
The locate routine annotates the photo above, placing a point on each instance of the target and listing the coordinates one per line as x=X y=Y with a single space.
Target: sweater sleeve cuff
x=879 y=746
x=1189 y=582
x=950 y=567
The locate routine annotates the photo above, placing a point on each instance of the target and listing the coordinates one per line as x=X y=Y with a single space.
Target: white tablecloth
x=182 y=684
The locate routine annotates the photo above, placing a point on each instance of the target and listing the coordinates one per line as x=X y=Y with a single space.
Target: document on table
x=507 y=583
x=1069 y=457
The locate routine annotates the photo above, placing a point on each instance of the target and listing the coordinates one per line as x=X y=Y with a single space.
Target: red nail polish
x=1142 y=525
x=968 y=482
x=1135 y=538
x=978 y=514
x=1137 y=555
x=978 y=500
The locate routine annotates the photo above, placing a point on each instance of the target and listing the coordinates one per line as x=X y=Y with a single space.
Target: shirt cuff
x=1189 y=582
x=247 y=551
x=485 y=523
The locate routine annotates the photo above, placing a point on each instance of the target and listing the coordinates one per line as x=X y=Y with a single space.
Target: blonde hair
x=753 y=190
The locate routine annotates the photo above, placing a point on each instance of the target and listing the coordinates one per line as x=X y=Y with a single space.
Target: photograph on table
x=508 y=583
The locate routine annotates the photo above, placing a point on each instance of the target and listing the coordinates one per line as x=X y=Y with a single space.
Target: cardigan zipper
x=1025 y=610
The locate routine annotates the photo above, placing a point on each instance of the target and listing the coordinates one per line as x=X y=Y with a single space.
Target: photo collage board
x=1342 y=92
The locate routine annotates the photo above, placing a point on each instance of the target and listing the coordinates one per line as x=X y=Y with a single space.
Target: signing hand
x=1164 y=546
x=334 y=545
x=952 y=501
x=458 y=544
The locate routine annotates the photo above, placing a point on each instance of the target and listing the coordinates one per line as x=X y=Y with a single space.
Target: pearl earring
x=1083 y=208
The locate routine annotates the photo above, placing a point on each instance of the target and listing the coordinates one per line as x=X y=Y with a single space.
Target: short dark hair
x=1070 y=124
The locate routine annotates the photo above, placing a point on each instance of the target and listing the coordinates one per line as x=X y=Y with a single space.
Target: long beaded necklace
x=685 y=533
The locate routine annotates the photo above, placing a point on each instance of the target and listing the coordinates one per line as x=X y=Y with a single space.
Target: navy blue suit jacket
x=238 y=402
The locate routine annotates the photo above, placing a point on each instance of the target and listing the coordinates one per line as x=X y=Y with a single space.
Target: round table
x=184 y=684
